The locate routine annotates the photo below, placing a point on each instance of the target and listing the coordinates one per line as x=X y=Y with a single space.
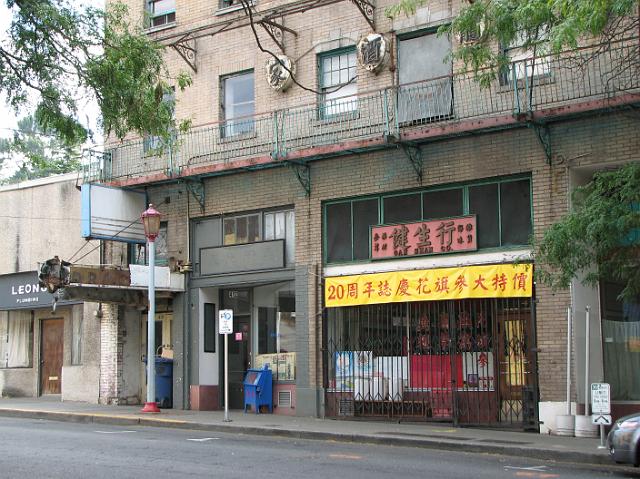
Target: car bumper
x=620 y=450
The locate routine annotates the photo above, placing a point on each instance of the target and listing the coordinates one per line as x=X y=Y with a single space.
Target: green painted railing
x=529 y=85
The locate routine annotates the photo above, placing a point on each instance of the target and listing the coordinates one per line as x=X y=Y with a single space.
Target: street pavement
x=440 y=436
x=51 y=449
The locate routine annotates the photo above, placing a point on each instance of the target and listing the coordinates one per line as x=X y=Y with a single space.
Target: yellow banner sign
x=488 y=281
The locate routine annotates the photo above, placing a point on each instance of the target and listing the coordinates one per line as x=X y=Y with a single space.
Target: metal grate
x=345 y=407
x=466 y=361
x=284 y=399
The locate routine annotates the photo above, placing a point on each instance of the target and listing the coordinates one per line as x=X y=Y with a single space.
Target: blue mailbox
x=258 y=390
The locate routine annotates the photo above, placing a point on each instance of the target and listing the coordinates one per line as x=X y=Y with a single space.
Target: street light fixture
x=151 y=222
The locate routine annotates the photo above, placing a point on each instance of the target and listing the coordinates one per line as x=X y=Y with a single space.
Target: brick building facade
x=237 y=194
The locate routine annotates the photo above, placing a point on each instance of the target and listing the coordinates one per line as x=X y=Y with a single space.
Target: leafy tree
x=600 y=237
x=58 y=56
x=555 y=25
x=37 y=152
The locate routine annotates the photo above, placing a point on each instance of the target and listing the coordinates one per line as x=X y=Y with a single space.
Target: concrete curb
x=577 y=457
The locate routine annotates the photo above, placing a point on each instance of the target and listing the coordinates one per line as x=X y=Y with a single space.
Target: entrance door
x=239 y=343
x=52 y=339
x=515 y=368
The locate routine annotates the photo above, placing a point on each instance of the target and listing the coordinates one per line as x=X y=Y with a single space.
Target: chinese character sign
x=487 y=281
x=425 y=237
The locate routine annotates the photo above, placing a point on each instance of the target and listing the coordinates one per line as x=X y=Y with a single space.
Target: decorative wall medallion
x=373 y=52
x=279 y=71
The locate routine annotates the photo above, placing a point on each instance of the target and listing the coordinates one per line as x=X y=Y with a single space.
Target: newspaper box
x=258 y=389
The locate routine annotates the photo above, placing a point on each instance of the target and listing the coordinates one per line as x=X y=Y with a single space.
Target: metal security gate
x=466 y=361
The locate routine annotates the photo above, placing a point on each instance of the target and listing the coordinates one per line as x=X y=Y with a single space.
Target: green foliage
x=37 y=152
x=58 y=56
x=600 y=237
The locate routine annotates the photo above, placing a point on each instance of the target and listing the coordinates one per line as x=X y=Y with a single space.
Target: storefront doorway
x=52 y=333
x=238 y=300
x=467 y=361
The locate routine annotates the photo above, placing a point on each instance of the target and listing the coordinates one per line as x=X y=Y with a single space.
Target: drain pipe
x=587 y=386
x=569 y=330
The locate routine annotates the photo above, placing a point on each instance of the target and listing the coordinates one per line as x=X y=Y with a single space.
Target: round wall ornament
x=373 y=52
x=278 y=72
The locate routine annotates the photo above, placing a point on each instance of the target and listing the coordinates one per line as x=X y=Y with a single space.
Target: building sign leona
x=22 y=291
x=486 y=281
x=424 y=237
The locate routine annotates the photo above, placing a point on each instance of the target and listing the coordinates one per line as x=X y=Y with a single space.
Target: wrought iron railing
x=531 y=85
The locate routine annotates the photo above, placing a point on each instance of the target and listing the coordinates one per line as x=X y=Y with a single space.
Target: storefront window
x=483 y=202
x=16 y=338
x=402 y=208
x=502 y=207
x=621 y=343
x=442 y=204
x=277 y=336
x=515 y=212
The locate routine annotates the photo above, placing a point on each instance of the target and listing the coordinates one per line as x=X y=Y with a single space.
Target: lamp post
x=151 y=222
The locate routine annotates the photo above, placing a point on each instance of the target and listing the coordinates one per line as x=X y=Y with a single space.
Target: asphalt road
x=32 y=448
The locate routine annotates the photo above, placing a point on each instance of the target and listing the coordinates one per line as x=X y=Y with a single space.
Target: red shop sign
x=446 y=235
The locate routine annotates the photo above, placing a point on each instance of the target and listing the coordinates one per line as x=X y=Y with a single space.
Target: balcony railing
x=528 y=87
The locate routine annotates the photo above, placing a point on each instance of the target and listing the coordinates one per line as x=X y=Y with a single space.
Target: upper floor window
x=238 y=104
x=526 y=62
x=338 y=74
x=265 y=226
x=161 y=12
x=242 y=229
x=153 y=144
x=138 y=252
x=502 y=208
x=426 y=85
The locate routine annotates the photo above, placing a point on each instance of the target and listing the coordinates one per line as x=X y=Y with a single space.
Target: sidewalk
x=427 y=435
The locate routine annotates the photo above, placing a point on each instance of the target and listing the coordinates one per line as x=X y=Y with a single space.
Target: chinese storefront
x=449 y=344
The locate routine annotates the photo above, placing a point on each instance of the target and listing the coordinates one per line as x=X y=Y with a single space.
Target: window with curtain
x=16 y=336
x=161 y=12
x=76 y=336
x=621 y=342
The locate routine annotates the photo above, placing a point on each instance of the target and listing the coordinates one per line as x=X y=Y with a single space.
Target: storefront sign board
x=447 y=235
x=486 y=281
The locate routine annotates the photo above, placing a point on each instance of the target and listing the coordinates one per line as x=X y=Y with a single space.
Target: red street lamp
x=151 y=222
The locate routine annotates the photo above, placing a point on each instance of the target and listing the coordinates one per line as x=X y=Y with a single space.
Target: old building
x=369 y=224
x=45 y=350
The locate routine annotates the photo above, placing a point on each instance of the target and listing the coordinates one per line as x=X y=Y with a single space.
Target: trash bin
x=164 y=381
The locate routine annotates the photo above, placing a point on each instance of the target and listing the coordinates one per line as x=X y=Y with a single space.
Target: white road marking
x=204 y=439
x=114 y=432
x=532 y=468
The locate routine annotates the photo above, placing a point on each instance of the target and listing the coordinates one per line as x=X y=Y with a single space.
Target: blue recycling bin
x=164 y=381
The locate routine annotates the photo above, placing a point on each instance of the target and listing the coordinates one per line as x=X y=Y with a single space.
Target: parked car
x=623 y=440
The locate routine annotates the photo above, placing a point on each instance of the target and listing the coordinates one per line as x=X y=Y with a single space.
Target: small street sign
x=600 y=399
x=601 y=419
x=225 y=321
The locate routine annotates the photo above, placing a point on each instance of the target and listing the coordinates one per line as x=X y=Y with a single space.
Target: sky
x=8 y=117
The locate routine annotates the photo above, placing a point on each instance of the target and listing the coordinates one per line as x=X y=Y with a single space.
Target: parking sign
x=225 y=321
x=600 y=399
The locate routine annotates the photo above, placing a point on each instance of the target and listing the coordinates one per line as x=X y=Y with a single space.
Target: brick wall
x=110 y=355
x=579 y=143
